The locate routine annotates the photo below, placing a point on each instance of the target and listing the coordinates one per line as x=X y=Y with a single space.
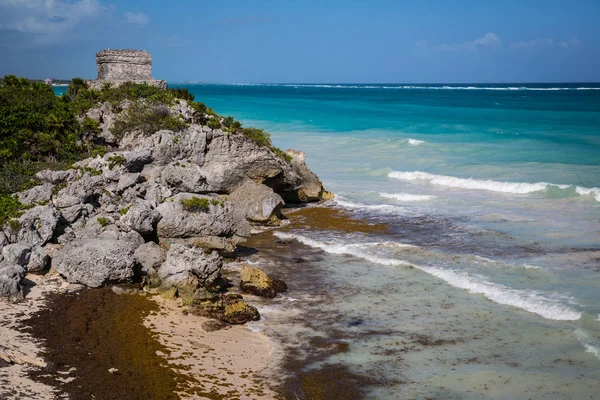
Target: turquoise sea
x=493 y=196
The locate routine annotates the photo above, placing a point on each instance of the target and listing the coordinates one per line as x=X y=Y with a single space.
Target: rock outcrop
x=119 y=66
x=257 y=282
x=195 y=190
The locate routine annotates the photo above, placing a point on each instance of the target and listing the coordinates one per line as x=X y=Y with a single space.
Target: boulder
x=38 y=260
x=150 y=256
x=141 y=218
x=189 y=267
x=95 y=262
x=258 y=203
x=218 y=219
x=35 y=226
x=11 y=281
x=240 y=313
x=309 y=187
x=257 y=282
x=37 y=194
x=18 y=253
x=128 y=180
x=84 y=190
x=184 y=177
x=56 y=177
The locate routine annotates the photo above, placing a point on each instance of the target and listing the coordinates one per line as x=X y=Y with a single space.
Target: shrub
x=195 y=204
x=147 y=119
x=125 y=210
x=10 y=207
x=231 y=124
x=104 y=222
x=116 y=160
x=214 y=123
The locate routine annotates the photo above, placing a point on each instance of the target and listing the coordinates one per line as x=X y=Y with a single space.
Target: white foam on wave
x=548 y=306
x=407 y=196
x=384 y=208
x=589 y=344
x=415 y=142
x=419 y=87
x=490 y=185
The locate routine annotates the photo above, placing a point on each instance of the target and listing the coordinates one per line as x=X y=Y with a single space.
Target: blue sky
x=310 y=41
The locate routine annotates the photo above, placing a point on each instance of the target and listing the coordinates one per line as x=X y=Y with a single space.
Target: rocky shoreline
x=159 y=213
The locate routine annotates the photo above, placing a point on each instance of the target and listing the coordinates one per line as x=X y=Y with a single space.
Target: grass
x=104 y=222
x=195 y=204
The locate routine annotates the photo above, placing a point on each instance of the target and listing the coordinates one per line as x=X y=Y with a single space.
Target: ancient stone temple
x=119 y=66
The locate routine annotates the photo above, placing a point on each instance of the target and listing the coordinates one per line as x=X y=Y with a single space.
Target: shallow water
x=495 y=189
x=486 y=284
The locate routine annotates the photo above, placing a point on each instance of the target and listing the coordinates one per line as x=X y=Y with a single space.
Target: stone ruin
x=119 y=66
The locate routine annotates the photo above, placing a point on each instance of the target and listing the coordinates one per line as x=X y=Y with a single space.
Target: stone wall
x=119 y=66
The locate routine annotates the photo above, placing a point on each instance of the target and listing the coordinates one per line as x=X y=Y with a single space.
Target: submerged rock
x=95 y=262
x=257 y=282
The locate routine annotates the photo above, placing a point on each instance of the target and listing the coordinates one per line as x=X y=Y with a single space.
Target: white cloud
x=136 y=18
x=47 y=20
x=489 y=40
x=545 y=43
x=533 y=43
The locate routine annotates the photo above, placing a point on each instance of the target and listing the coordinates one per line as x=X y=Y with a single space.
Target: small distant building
x=119 y=66
x=48 y=81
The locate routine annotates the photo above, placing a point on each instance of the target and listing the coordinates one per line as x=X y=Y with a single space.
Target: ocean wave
x=549 y=306
x=419 y=87
x=591 y=345
x=407 y=196
x=384 y=208
x=415 y=142
x=492 y=186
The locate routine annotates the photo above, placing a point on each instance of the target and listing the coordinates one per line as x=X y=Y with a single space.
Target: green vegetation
x=214 y=123
x=39 y=130
x=10 y=207
x=125 y=210
x=115 y=161
x=147 y=119
x=104 y=222
x=195 y=204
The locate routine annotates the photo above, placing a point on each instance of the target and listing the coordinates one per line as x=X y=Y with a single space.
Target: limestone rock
x=17 y=253
x=240 y=313
x=184 y=177
x=141 y=218
x=95 y=262
x=36 y=226
x=217 y=220
x=150 y=256
x=255 y=281
x=84 y=190
x=37 y=194
x=11 y=281
x=310 y=187
x=257 y=202
x=128 y=180
x=186 y=266
x=56 y=177
x=38 y=260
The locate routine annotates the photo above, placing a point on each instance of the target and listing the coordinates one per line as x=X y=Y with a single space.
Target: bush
x=146 y=119
x=10 y=208
x=125 y=210
x=214 y=123
x=115 y=161
x=195 y=204
x=104 y=222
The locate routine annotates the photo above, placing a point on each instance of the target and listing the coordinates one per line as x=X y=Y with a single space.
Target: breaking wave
x=547 y=305
x=492 y=186
x=407 y=196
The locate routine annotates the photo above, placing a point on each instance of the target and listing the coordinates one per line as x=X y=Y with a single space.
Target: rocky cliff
x=155 y=208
